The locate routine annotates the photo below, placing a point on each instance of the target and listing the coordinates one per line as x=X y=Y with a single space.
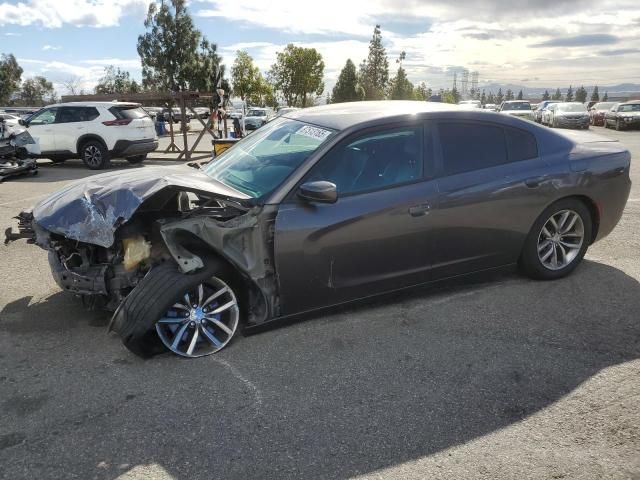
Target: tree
x=298 y=74
x=569 y=96
x=422 y=92
x=262 y=93
x=346 y=88
x=174 y=54
x=400 y=88
x=499 y=97
x=483 y=98
x=374 y=71
x=557 y=95
x=595 y=96
x=606 y=97
x=491 y=98
x=546 y=95
x=245 y=76
x=10 y=75
x=73 y=86
x=509 y=95
x=581 y=95
x=520 y=95
x=37 y=91
x=115 y=80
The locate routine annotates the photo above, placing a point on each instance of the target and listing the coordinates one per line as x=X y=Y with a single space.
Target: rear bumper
x=128 y=148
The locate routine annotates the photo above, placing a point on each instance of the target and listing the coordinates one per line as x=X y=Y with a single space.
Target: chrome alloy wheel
x=560 y=239
x=93 y=156
x=203 y=322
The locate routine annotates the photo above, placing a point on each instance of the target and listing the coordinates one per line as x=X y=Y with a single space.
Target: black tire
x=530 y=263
x=137 y=159
x=94 y=155
x=164 y=285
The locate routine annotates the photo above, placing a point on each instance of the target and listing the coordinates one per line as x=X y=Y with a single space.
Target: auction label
x=314 y=132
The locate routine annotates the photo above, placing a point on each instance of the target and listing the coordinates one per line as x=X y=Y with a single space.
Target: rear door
x=71 y=123
x=493 y=185
x=135 y=123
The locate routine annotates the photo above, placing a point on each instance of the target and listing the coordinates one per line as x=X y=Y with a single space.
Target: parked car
x=153 y=111
x=490 y=106
x=517 y=108
x=175 y=115
x=538 y=112
x=10 y=120
x=568 y=115
x=93 y=131
x=623 y=116
x=328 y=205
x=597 y=112
x=203 y=112
x=470 y=104
x=257 y=117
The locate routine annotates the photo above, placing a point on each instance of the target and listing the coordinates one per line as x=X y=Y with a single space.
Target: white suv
x=94 y=132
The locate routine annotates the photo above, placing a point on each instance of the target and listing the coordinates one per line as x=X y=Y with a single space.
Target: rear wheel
x=94 y=155
x=557 y=241
x=137 y=159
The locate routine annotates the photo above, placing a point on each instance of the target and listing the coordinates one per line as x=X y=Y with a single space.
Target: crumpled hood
x=92 y=209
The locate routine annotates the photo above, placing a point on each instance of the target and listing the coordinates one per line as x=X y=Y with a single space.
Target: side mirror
x=23 y=123
x=320 y=191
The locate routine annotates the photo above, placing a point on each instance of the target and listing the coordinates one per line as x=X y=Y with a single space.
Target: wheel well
x=84 y=138
x=251 y=297
x=593 y=211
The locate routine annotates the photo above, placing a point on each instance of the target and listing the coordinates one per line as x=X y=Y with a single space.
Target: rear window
x=125 y=111
x=471 y=146
x=521 y=145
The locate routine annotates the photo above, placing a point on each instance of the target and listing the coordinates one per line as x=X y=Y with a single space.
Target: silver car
x=517 y=108
x=568 y=115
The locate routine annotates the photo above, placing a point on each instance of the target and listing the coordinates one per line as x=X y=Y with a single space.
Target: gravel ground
x=490 y=377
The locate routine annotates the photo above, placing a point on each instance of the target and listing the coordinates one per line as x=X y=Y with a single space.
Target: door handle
x=419 y=210
x=533 y=182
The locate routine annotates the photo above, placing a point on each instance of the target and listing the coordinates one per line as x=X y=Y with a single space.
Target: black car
x=323 y=206
x=623 y=116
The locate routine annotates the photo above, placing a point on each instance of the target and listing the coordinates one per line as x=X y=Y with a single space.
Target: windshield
x=630 y=107
x=604 y=105
x=572 y=107
x=517 y=106
x=257 y=113
x=263 y=160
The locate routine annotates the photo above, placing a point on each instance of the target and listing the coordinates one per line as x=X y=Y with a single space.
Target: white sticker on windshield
x=314 y=132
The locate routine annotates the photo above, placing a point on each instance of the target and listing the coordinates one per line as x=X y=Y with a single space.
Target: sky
x=535 y=43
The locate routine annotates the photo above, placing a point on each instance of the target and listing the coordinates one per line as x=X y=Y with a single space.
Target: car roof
x=339 y=116
x=93 y=104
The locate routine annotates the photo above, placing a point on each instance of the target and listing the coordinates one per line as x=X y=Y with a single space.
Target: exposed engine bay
x=102 y=241
x=15 y=147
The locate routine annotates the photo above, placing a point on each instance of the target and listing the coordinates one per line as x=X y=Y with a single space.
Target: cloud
x=580 y=41
x=618 y=51
x=51 y=47
x=81 y=13
x=13 y=34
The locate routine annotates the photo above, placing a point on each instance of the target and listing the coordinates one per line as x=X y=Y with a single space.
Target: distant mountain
x=621 y=88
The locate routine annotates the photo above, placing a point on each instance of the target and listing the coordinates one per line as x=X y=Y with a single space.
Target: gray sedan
x=324 y=206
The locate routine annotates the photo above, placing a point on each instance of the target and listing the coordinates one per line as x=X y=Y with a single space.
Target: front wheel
x=191 y=315
x=557 y=241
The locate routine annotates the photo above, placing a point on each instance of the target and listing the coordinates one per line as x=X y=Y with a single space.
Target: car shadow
x=353 y=391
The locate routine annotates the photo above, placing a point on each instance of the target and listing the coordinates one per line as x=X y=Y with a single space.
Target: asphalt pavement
x=494 y=376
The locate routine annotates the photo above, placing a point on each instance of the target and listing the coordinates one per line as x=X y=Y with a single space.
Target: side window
x=521 y=145
x=471 y=146
x=76 y=114
x=373 y=161
x=44 y=117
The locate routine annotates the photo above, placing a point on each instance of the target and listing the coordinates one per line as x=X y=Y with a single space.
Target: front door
x=375 y=238
x=41 y=128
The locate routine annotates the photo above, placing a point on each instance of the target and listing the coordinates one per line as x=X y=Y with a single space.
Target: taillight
x=111 y=123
